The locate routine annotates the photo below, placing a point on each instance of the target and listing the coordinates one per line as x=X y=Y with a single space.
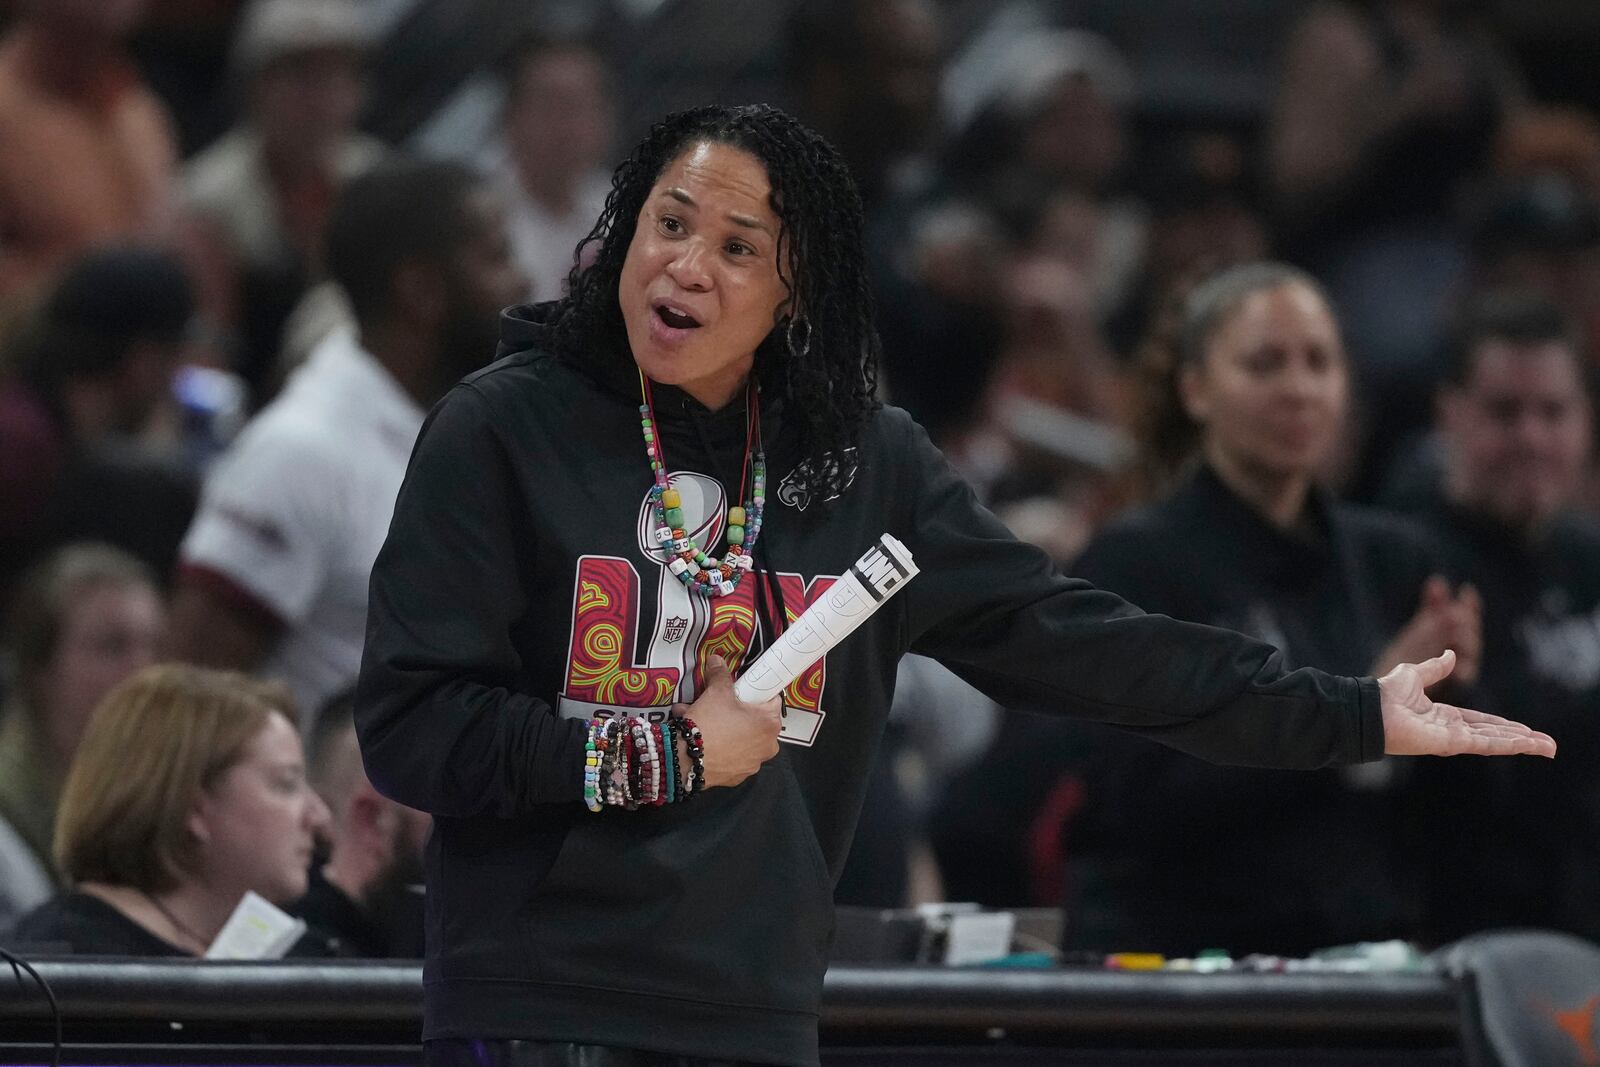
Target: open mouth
x=676 y=318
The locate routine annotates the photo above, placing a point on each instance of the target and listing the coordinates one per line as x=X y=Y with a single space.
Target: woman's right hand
x=738 y=737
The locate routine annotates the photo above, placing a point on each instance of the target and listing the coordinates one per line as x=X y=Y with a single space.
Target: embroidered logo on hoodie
x=792 y=493
x=619 y=661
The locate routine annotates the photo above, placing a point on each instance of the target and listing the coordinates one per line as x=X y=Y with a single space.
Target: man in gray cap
x=266 y=187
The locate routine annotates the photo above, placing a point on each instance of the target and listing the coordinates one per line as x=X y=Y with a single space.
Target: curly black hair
x=829 y=386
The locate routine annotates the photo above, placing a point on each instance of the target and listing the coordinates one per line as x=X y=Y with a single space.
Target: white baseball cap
x=275 y=29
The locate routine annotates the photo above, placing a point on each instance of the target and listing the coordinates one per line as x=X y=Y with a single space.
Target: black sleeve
x=993 y=609
x=443 y=727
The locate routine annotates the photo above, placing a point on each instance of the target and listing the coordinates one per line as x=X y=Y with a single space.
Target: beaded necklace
x=701 y=573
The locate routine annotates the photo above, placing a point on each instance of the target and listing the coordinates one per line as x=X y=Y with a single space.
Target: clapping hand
x=1443 y=620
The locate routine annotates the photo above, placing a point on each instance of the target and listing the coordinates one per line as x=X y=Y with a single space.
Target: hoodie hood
x=532 y=328
x=528 y=326
x=609 y=365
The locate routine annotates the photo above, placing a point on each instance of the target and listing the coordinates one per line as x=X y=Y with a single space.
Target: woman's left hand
x=1414 y=725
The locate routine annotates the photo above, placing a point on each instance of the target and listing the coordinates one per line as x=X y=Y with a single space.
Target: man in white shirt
x=274 y=570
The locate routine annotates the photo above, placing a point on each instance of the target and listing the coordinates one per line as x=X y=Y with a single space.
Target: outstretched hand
x=1414 y=725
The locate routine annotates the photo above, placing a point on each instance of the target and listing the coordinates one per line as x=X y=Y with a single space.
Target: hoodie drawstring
x=771 y=612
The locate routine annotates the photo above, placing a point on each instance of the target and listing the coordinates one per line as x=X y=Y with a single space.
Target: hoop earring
x=805 y=346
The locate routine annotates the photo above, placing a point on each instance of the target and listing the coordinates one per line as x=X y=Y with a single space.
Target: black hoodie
x=516 y=587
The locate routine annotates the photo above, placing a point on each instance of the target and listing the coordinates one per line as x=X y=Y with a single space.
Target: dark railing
x=369 y=1013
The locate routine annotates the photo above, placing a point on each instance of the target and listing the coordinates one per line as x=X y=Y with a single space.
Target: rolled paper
x=880 y=573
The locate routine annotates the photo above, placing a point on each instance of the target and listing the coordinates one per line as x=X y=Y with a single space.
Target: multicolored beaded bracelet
x=679 y=771
x=613 y=769
x=697 y=754
x=630 y=762
x=652 y=766
x=641 y=742
x=591 y=770
x=647 y=766
x=622 y=761
x=658 y=774
x=663 y=779
x=669 y=760
x=628 y=767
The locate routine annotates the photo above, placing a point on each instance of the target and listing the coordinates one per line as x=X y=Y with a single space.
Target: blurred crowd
x=1282 y=317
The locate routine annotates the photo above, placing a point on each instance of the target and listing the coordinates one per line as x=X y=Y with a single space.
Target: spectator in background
x=1249 y=541
x=1385 y=109
x=90 y=154
x=274 y=569
x=182 y=48
x=1052 y=117
x=82 y=621
x=1522 y=848
x=1552 y=140
x=367 y=898
x=1055 y=351
x=1540 y=232
x=1387 y=115
x=557 y=129
x=1204 y=218
x=1051 y=410
x=266 y=188
x=1068 y=105
x=188 y=791
x=1540 y=227
x=866 y=77
x=937 y=288
x=85 y=377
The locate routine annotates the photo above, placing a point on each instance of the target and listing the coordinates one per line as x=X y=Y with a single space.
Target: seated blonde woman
x=189 y=789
